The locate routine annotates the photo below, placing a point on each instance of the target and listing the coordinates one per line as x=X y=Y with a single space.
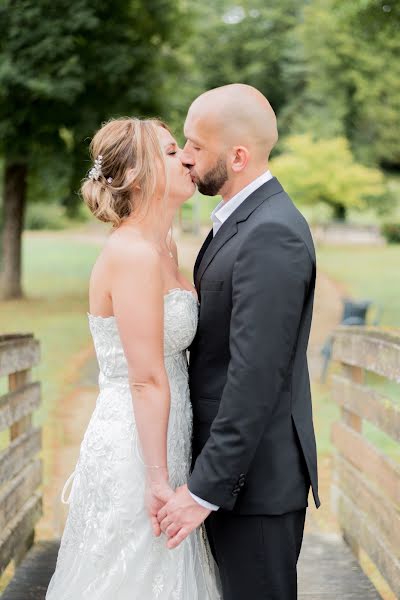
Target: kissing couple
x=192 y=480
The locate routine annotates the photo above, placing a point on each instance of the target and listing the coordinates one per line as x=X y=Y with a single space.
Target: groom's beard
x=213 y=180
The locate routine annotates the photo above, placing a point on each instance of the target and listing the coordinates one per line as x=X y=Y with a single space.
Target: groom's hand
x=180 y=516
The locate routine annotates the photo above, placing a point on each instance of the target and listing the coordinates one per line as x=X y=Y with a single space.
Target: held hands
x=180 y=516
x=157 y=493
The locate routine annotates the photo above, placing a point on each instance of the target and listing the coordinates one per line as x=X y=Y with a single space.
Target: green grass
x=55 y=280
x=368 y=272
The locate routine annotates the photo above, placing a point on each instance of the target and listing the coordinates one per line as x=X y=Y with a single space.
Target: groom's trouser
x=257 y=554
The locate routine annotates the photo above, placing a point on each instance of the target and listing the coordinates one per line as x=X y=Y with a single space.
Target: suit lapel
x=201 y=254
x=229 y=228
x=226 y=231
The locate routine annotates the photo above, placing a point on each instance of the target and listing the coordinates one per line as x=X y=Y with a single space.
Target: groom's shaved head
x=230 y=132
x=237 y=114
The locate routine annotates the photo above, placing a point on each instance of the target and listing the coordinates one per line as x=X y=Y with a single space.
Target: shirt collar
x=224 y=209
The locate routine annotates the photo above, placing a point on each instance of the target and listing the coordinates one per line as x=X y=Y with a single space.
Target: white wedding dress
x=108 y=550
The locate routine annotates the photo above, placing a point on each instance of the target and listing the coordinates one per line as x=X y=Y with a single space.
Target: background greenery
x=329 y=68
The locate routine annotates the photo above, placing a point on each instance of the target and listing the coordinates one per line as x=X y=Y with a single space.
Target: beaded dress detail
x=108 y=550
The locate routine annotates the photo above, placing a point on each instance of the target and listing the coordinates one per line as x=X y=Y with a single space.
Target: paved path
x=327 y=571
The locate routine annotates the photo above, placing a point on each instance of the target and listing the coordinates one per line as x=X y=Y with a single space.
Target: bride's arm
x=138 y=304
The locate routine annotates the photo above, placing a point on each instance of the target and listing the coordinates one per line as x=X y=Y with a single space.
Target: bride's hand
x=158 y=492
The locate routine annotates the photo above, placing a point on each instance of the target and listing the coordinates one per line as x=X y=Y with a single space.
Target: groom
x=254 y=454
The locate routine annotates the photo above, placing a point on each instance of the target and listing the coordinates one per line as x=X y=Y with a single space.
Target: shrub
x=40 y=215
x=391 y=232
x=314 y=171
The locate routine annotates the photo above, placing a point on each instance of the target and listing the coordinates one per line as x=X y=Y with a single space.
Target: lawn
x=368 y=272
x=55 y=280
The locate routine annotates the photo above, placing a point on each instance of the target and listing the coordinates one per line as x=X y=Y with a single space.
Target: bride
x=136 y=449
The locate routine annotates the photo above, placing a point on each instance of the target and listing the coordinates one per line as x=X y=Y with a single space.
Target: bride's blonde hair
x=130 y=157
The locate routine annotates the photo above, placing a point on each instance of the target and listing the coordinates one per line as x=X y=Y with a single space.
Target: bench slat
x=18 y=404
x=18 y=353
x=355 y=524
x=17 y=491
x=379 y=511
x=367 y=404
x=373 y=464
x=19 y=529
x=21 y=451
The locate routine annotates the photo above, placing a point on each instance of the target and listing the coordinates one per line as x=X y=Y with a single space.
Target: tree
x=64 y=68
x=343 y=76
x=325 y=171
x=239 y=42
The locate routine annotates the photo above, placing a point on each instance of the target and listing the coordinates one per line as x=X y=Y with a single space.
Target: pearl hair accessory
x=96 y=172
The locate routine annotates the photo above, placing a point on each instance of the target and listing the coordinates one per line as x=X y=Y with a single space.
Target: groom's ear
x=240 y=158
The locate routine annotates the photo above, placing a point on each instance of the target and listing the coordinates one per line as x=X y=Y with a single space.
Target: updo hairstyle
x=130 y=156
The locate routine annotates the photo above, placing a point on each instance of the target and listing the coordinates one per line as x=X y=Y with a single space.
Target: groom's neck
x=240 y=181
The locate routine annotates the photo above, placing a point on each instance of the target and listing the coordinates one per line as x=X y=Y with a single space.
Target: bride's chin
x=190 y=194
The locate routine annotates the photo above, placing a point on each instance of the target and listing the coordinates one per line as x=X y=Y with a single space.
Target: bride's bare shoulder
x=128 y=249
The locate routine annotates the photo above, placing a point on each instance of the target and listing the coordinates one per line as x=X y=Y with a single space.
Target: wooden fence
x=366 y=482
x=20 y=467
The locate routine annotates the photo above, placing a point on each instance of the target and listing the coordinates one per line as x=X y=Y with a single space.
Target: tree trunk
x=73 y=200
x=15 y=175
x=339 y=212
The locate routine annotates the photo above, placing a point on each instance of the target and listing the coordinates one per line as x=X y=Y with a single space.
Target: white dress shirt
x=218 y=217
x=224 y=209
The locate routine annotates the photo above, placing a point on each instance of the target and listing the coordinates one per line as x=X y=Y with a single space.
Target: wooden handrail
x=20 y=467
x=366 y=482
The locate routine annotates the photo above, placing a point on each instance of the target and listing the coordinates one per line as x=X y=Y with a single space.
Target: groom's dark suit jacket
x=253 y=441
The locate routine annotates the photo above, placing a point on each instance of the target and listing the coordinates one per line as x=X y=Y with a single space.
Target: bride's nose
x=180 y=155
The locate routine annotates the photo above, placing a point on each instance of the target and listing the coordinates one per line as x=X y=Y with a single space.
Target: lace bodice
x=180 y=323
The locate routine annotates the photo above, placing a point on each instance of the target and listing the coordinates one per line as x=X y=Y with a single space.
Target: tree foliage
x=328 y=67
x=66 y=67
x=344 y=75
x=325 y=171
x=243 y=42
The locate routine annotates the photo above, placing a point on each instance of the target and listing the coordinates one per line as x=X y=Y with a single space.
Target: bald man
x=254 y=452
